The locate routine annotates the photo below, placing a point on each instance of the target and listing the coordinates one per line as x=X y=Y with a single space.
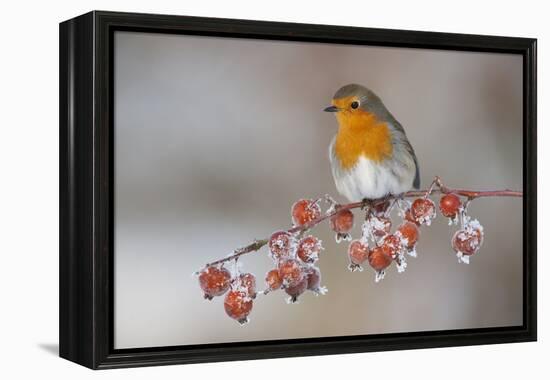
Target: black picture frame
x=86 y=189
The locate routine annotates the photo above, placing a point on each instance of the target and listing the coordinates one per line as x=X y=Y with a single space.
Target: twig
x=436 y=187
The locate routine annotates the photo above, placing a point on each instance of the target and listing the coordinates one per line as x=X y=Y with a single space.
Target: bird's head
x=354 y=102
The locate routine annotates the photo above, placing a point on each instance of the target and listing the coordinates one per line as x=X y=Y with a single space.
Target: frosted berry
x=467 y=241
x=291 y=273
x=379 y=259
x=391 y=245
x=280 y=244
x=342 y=221
x=408 y=217
x=304 y=211
x=296 y=290
x=408 y=232
x=238 y=305
x=247 y=284
x=358 y=253
x=449 y=205
x=308 y=249
x=273 y=280
x=214 y=281
x=313 y=278
x=423 y=211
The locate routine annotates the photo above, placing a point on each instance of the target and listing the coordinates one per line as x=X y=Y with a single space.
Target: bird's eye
x=355 y=105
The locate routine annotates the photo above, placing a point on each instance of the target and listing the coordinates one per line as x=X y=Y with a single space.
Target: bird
x=370 y=156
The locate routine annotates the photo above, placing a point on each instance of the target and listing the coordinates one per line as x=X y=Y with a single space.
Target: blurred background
x=216 y=138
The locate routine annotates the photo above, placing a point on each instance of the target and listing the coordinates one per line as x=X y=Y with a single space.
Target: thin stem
x=436 y=187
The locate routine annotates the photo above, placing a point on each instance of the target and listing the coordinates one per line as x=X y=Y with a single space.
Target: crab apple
x=468 y=240
x=381 y=226
x=304 y=211
x=308 y=249
x=409 y=234
x=280 y=244
x=379 y=259
x=408 y=217
x=391 y=245
x=291 y=273
x=449 y=204
x=247 y=284
x=313 y=275
x=342 y=221
x=423 y=211
x=358 y=253
x=296 y=290
x=214 y=281
x=237 y=305
x=273 y=280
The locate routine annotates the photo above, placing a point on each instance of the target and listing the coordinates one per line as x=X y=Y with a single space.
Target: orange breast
x=360 y=133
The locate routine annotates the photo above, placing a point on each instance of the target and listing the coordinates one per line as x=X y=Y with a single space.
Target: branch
x=436 y=187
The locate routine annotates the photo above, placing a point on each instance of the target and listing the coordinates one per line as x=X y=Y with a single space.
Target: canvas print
x=269 y=190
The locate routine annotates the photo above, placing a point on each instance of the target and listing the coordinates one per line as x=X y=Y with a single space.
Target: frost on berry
x=375 y=228
x=401 y=263
x=214 y=281
x=408 y=217
x=358 y=253
x=313 y=275
x=379 y=259
x=291 y=273
x=280 y=245
x=273 y=281
x=304 y=211
x=237 y=305
x=391 y=245
x=296 y=290
x=467 y=241
x=308 y=249
x=423 y=211
x=450 y=207
x=408 y=232
x=246 y=283
x=342 y=223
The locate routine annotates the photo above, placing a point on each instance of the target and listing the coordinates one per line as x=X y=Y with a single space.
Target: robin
x=370 y=156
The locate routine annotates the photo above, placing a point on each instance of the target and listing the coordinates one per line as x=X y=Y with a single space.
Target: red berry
x=273 y=280
x=391 y=245
x=342 y=221
x=238 y=305
x=280 y=243
x=247 y=284
x=291 y=273
x=308 y=249
x=296 y=290
x=358 y=252
x=423 y=211
x=313 y=278
x=214 y=281
x=449 y=205
x=409 y=234
x=304 y=211
x=378 y=259
x=467 y=241
x=408 y=217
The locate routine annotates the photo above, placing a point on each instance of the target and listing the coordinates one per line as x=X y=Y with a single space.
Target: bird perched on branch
x=370 y=156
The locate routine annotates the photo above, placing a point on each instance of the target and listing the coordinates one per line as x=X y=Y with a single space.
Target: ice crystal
x=379 y=276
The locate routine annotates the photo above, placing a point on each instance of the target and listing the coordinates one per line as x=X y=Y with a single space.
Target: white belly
x=368 y=179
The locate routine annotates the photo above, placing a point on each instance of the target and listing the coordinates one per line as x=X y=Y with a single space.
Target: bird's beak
x=331 y=109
